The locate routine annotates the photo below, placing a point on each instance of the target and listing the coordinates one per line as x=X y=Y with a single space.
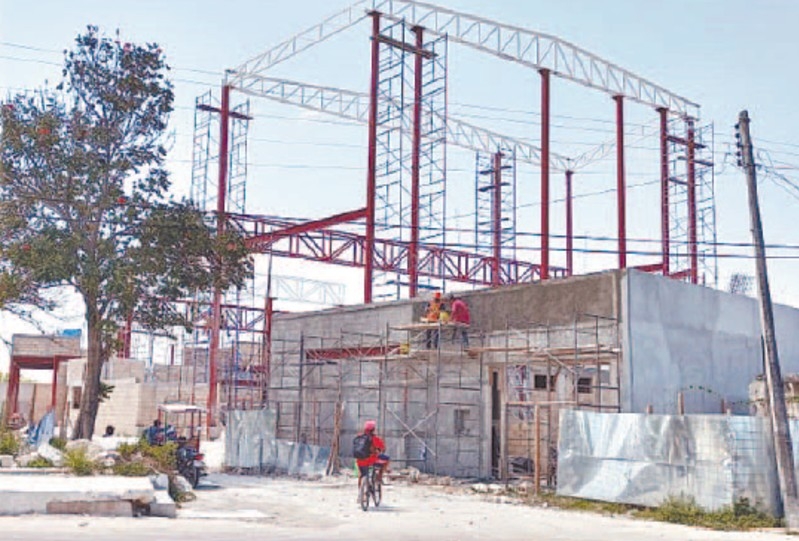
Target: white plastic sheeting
x=644 y=459
x=250 y=443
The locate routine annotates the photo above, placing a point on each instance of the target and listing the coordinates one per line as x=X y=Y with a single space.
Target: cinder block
x=108 y=508
x=163 y=506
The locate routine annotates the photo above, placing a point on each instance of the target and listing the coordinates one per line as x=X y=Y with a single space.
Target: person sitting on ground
x=377 y=456
x=109 y=431
x=155 y=433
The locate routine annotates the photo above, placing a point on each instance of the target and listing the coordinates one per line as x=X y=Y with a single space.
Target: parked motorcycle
x=191 y=464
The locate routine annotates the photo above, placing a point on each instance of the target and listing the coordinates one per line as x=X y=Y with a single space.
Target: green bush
x=739 y=516
x=127 y=450
x=59 y=443
x=79 y=462
x=132 y=469
x=40 y=462
x=163 y=457
x=9 y=444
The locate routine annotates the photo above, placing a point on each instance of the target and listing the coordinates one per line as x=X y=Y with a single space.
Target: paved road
x=245 y=508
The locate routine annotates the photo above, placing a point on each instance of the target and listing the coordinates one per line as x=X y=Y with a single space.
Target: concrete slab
x=31 y=493
x=110 y=508
x=163 y=505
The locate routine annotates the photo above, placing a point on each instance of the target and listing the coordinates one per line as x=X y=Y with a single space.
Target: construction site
x=637 y=332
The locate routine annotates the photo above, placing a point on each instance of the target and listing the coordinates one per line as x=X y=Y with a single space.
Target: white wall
x=678 y=335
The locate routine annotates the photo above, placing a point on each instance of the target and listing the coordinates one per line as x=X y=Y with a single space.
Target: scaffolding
x=487 y=211
x=690 y=152
x=400 y=89
x=533 y=373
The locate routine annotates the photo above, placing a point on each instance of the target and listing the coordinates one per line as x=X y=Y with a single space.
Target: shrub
x=9 y=444
x=739 y=516
x=40 y=462
x=163 y=457
x=132 y=469
x=59 y=443
x=127 y=450
x=79 y=462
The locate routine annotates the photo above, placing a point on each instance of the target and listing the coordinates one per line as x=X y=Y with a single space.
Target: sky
x=726 y=55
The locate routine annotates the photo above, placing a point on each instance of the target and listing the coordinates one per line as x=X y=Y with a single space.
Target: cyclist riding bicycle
x=377 y=456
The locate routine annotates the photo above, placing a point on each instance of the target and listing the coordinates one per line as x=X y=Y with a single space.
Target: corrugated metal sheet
x=644 y=459
x=250 y=443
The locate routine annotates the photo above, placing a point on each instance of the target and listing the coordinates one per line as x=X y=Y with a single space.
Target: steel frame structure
x=408 y=128
x=495 y=205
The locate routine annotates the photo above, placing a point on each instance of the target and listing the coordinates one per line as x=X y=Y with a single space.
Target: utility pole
x=776 y=390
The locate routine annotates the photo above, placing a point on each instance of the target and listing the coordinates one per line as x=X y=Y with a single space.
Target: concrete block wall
x=678 y=337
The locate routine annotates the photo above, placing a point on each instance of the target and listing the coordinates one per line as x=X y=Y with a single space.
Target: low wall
x=644 y=459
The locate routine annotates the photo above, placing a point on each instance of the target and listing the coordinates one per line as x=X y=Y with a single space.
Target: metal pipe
x=569 y=226
x=544 y=173
x=413 y=252
x=664 y=188
x=221 y=208
x=496 y=221
x=621 y=192
x=371 y=173
x=692 y=234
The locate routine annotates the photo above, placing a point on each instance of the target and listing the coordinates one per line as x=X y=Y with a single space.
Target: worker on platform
x=433 y=315
x=461 y=318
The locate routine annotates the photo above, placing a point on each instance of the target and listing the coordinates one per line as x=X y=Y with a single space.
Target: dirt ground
x=242 y=508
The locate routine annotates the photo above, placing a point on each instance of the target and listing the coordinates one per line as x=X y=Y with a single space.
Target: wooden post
x=680 y=403
x=537 y=465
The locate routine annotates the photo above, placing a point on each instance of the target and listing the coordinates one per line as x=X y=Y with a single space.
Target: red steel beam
x=371 y=174
x=221 y=208
x=544 y=173
x=621 y=192
x=569 y=226
x=664 y=188
x=496 y=221
x=304 y=227
x=692 y=233
x=348 y=249
x=413 y=256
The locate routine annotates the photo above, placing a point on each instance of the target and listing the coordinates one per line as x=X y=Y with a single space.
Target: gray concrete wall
x=679 y=337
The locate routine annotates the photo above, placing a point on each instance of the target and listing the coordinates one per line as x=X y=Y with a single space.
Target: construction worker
x=433 y=315
x=461 y=318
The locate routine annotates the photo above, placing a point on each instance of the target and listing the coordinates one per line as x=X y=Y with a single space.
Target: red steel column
x=413 y=252
x=569 y=226
x=664 y=187
x=496 y=221
x=544 y=173
x=692 y=240
x=621 y=192
x=371 y=173
x=221 y=208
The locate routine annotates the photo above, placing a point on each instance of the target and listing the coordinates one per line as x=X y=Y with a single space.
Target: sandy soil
x=235 y=507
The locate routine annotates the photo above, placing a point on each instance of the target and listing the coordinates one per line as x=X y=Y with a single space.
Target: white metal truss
x=535 y=50
x=354 y=106
x=332 y=25
x=298 y=289
x=515 y=44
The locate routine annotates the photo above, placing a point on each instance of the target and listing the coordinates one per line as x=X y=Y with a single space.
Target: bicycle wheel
x=377 y=492
x=363 y=493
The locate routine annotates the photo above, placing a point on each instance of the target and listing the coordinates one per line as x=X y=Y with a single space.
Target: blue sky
x=726 y=55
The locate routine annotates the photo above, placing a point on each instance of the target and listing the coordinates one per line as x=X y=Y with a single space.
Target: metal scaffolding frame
x=495 y=219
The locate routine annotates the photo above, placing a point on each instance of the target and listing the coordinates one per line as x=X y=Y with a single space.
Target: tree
x=84 y=202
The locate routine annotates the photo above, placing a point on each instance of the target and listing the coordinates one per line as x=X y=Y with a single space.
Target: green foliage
x=9 y=444
x=158 y=458
x=127 y=450
x=84 y=202
x=58 y=443
x=578 y=504
x=105 y=391
x=79 y=463
x=132 y=469
x=740 y=516
x=40 y=462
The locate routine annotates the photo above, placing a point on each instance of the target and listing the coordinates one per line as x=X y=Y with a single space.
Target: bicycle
x=370 y=486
